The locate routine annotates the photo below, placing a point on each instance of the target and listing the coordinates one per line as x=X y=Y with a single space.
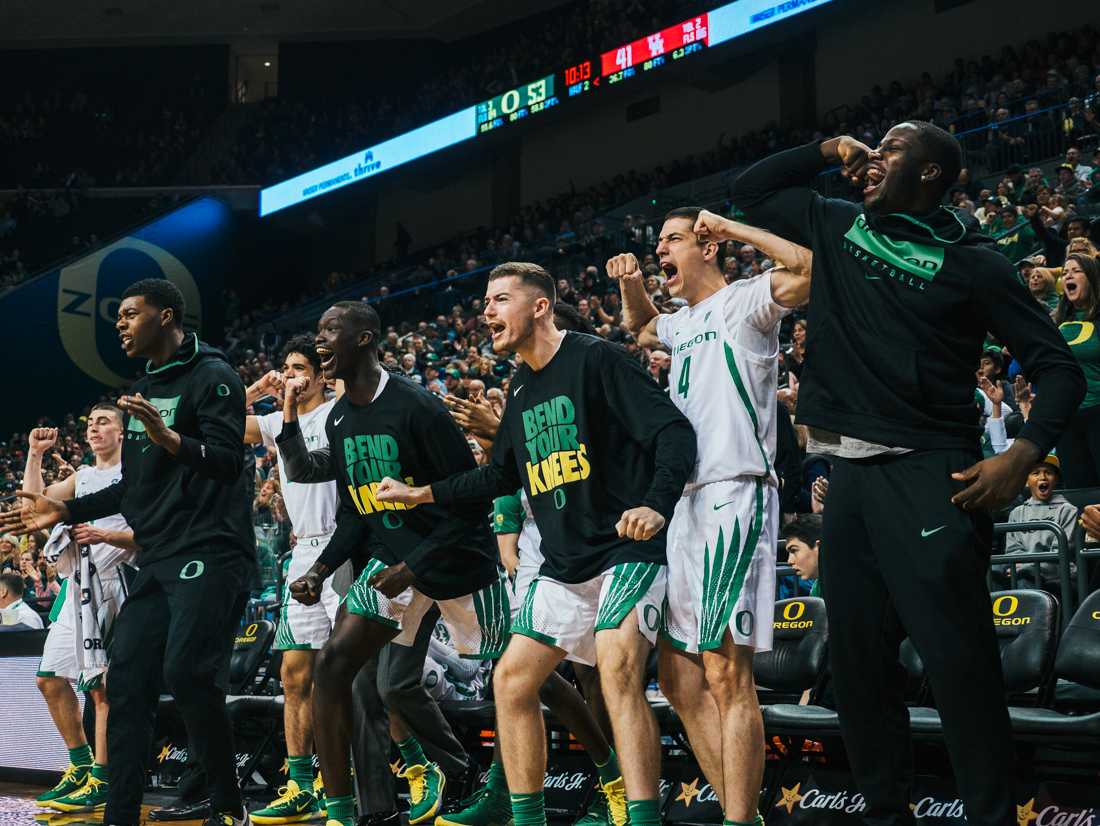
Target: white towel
x=90 y=611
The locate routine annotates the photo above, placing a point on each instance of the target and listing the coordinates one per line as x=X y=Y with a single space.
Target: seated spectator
x=803 y=535
x=795 y=355
x=1069 y=185
x=1015 y=237
x=1040 y=283
x=15 y=614
x=1044 y=505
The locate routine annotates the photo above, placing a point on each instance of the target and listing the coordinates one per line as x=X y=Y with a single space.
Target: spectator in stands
x=991 y=366
x=803 y=535
x=1015 y=237
x=1079 y=449
x=1068 y=184
x=795 y=355
x=1040 y=283
x=9 y=553
x=1082 y=171
x=1044 y=505
x=15 y=614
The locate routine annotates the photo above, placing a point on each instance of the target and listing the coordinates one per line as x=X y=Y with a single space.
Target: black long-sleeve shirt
x=405 y=433
x=588 y=436
x=899 y=310
x=199 y=500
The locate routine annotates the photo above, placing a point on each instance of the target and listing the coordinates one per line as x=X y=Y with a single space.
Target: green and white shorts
x=59 y=654
x=479 y=623
x=568 y=616
x=721 y=566
x=306 y=627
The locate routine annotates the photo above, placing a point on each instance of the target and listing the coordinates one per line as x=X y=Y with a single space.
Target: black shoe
x=461 y=787
x=185 y=811
x=380 y=819
x=226 y=819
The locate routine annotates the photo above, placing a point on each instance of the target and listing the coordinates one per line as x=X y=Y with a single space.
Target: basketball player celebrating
x=303 y=629
x=518 y=542
x=904 y=293
x=83 y=786
x=386 y=424
x=721 y=556
x=183 y=492
x=603 y=456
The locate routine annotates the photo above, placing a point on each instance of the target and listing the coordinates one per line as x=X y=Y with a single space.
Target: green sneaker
x=597 y=814
x=483 y=808
x=293 y=805
x=72 y=780
x=90 y=798
x=319 y=793
x=425 y=791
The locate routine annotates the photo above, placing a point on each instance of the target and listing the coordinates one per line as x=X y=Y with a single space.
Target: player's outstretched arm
x=639 y=313
x=790 y=277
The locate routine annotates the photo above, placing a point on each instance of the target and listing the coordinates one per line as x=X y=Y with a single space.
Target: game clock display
x=669 y=45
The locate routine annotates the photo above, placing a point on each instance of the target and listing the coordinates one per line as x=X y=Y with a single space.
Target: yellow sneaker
x=615 y=792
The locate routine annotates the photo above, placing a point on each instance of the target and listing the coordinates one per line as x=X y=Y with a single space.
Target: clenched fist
x=639 y=524
x=42 y=439
x=624 y=265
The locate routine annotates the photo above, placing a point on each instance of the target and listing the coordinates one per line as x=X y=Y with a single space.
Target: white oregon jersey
x=530 y=540
x=311 y=508
x=90 y=479
x=724 y=377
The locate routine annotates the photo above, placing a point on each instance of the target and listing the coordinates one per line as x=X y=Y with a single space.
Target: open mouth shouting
x=328 y=360
x=1044 y=487
x=127 y=342
x=873 y=180
x=497 y=330
x=672 y=274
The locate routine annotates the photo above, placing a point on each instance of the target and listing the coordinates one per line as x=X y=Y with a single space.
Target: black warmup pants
x=401 y=685
x=178 y=623
x=1079 y=449
x=897 y=560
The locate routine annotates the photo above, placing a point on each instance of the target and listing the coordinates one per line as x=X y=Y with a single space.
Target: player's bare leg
x=683 y=682
x=621 y=655
x=517 y=679
x=729 y=676
x=353 y=641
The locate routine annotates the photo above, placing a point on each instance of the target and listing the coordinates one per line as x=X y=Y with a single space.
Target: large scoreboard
x=618 y=65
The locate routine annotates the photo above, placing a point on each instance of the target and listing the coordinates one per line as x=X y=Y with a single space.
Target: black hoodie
x=197 y=501
x=899 y=310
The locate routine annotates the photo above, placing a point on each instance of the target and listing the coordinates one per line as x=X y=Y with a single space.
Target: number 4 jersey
x=724 y=377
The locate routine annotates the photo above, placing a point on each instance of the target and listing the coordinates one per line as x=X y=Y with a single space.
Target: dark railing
x=1062 y=557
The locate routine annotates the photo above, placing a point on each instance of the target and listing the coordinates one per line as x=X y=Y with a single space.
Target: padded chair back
x=1078 y=657
x=1026 y=622
x=250 y=649
x=799 y=652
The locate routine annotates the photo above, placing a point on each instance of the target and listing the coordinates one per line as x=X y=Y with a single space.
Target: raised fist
x=624 y=265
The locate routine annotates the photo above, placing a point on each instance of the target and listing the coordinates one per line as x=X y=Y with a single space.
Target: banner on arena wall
x=686 y=795
x=62 y=323
x=824 y=798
